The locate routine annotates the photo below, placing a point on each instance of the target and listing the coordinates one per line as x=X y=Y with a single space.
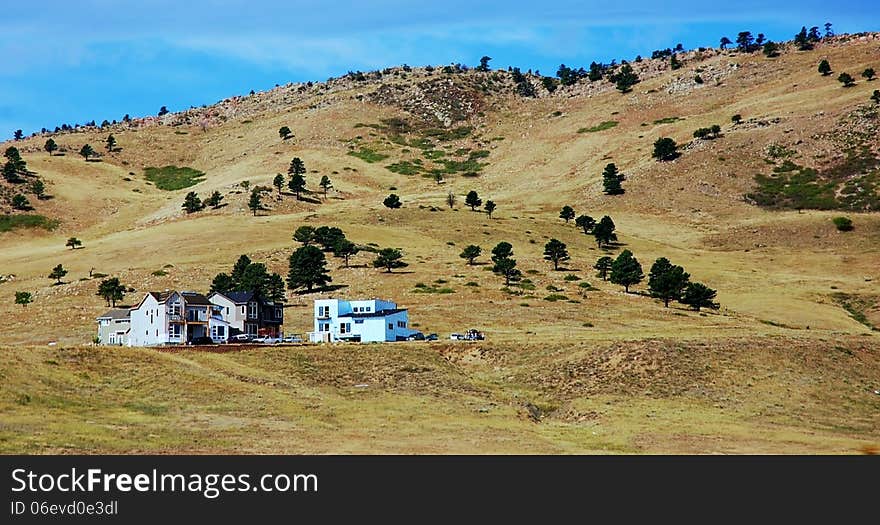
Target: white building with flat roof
x=366 y=321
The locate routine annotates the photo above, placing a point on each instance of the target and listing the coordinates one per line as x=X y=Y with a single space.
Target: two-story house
x=248 y=313
x=114 y=326
x=370 y=320
x=172 y=317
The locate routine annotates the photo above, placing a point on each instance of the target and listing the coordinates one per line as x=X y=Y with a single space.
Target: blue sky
x=71 y=62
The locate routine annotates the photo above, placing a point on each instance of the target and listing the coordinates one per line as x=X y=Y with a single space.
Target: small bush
x=843 y=224
x=602 y=126
x=555 y=297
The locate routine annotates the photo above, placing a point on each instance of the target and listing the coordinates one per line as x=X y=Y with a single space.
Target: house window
x=323 y=311
x=174 y=330
x=358 y=321
x=324 y=327
x=344 y=328
x=391 y=326
x=368 y=309
x=218 y=332
x=278 y=313
x=252 y=310
x=242 y=310
x=401 y=324
x=175 y=309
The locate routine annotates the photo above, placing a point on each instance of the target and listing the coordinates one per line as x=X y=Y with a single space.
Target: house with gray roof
x=114 y=326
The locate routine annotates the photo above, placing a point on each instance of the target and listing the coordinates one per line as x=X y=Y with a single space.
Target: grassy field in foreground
x=775 y=395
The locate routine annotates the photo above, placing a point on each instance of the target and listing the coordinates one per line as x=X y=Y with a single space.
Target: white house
x=172 y=317
x=367 y=321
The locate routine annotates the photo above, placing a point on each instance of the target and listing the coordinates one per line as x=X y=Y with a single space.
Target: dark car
x=418 y=336
x=202 y=341
x=431 y=337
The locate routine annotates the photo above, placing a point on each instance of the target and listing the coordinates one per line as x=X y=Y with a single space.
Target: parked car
x=418 y=336
x=470 y=335
x=202 y=341
x=241 y=338
x=292 y=339
x=267 y=340
x=431 y=337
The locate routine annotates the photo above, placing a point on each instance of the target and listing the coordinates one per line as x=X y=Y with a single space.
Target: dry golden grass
x=775 y=273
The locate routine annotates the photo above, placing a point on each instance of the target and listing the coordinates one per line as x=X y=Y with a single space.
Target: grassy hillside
x=756 y=395
x=749 y=213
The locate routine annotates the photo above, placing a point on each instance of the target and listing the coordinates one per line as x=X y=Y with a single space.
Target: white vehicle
x=241 y=338
x=292 y=339
x=267 y=340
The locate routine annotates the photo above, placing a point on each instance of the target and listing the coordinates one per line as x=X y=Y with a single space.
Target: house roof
x=161 y=296
x=239 y=297
x=116 y=313
x=195 y=298
x=380 y=313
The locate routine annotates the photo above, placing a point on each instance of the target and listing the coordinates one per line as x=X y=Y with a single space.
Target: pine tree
x=566 y=213
x=222 y=283
x=625 y=78
x=473 y=200
x=667 y=281
x=555 y=251
x=345 y=248
x=502 y=250
x=626 y=270
x=51 y=147
x=20 y=202
x=39 y=189
x=824 y=68
x=665 y=148
x=603 y=265
x=725 y=42
x=846 y=79
x=611 y=179
x=275 y=288
x=307 y=268
x=214 y=200
x=285 y=133
x=392 y=201
x=327 y=236
x=586 y=223
x=304 y=235
x=239 y=268
x=505 y=264
x=604 y=231
x=489 y=207
x=325 y=184
x=297 y=184
x=698 y=295
x=192 y=203
x=112 y=290
x=470 y=253
x=73 y=243
x=110 y=144
x=507 y=268
x=255 y=203
x=57 y=273
x=23 y=298
x=87 y=151
x=389 y=258
x=869 y=74
x=278 y=182
x=297 y=167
